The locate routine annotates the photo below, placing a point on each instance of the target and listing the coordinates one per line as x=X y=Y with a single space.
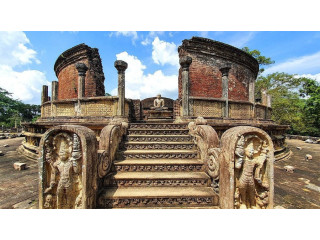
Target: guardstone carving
x=110 y=139
x=67 y=163
x=207 y=141
x=246 y=174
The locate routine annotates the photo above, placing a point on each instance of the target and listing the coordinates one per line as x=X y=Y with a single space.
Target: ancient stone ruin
x=213 y=147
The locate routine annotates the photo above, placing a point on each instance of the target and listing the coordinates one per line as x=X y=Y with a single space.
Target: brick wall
x=205 y=78
x=68 y=75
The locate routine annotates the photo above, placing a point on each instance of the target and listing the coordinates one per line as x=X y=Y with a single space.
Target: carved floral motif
x=149 y=168
x=161 y=202
x=158 y=126
x=158 y=132
x=159 y=139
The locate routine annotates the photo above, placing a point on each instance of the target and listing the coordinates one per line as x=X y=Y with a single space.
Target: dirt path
x=298 y=190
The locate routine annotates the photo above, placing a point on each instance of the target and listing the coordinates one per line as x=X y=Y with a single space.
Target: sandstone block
x=289 y=169
x=20 y=166
x=308 y=157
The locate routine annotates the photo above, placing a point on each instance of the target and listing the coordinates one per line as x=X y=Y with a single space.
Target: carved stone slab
x=68 y=168
x=246 y=169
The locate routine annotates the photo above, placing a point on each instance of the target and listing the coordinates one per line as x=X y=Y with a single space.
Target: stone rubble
x=308 y=157
x=289 y=169
x=20 y=166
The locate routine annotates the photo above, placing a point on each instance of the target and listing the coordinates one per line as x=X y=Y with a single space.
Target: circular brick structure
x=209 y=57
x=67 y=73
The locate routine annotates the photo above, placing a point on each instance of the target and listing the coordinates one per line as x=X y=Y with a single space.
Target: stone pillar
x=121 y=66
x=251 y=91
x=185 y=64
x=44 y=94
x=264 y=97
x=82 y=69
x=269 y=100
x=54 y=91
x=225 y=88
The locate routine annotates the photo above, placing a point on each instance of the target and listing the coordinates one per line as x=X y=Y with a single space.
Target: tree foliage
x=311 y=91
x=12 y=111
x=262 y=60
x=295 y=100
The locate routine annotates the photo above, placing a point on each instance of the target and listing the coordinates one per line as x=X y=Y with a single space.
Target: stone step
x=157 y=126
x=159 y=145
x=160 y=179
x=159 y=138
x=158 y=132
x=156 y=154
x=162 y=165
x=143 y=197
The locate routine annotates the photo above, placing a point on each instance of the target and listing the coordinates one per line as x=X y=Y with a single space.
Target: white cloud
x=312 y=76
x=132 y=34
x=301 y=65
x=13 y=50
x=24 y=85
x=241 y=41
x=164 y=53
x=151 y=35
x=140 y=85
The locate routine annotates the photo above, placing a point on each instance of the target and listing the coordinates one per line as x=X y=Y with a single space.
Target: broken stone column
x=225 y=88
x=264 y=97
x=251 y=91
x=44 y=94
x=54 y=91
x=121 y=66
x=82 y=69
x=269 y=100
x=185 y=63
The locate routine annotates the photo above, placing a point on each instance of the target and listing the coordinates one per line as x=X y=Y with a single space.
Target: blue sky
x=27 y=58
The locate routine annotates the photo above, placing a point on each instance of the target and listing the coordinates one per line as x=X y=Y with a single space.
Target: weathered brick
x=68 y=75
x=205 y=78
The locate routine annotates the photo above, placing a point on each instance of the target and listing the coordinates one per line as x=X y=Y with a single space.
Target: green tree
x=311 y=92
x=262 y=60
x=14 y=111
x=300 y=111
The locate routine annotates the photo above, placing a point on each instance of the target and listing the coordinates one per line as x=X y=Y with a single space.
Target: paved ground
x=300 y=189
x=18 y=189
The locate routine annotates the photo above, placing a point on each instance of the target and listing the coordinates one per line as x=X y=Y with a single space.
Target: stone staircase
x=158 y=166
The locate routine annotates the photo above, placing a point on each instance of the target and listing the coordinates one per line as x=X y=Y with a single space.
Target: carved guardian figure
x=246 y=173
x=65 y=182
x=68 y=168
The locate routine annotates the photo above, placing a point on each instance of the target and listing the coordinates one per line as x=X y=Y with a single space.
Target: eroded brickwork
x=208 y=57
x=68 y=75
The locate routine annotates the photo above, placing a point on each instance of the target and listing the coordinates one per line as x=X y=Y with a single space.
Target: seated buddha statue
x=158 y=104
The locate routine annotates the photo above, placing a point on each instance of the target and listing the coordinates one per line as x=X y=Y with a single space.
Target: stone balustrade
x=85 y=107
x=215 y=108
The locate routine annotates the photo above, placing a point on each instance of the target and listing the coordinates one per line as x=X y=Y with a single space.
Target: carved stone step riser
x=158 y=132
x=158 y=202
x=157 y=183
x=160 y=139
x=158 y=126
x=121 y=156
x=159 y=168
x=156 y=146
